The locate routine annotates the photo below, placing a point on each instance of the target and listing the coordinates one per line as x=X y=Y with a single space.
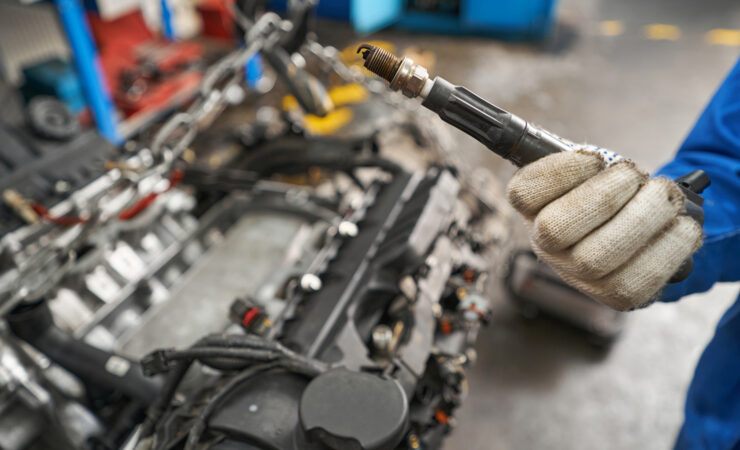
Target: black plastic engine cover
x=339 y=410
x=354 y=411
x=395 y=236
x=263 y=414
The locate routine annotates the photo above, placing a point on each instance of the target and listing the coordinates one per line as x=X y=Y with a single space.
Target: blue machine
x=56 y=78
x=502 y=18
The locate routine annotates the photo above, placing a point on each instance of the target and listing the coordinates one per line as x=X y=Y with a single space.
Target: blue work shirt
x=712 y=416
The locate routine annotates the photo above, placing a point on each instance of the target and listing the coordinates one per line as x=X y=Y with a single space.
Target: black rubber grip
x=507 y=135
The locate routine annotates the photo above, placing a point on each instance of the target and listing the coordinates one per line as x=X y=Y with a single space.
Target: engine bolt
x=383 y=339
x=347 y=229
x=472 y=355
x=62 y=187
x=310 y=283
x=414 y=441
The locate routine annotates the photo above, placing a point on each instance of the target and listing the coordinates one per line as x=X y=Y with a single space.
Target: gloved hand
x=604 y=227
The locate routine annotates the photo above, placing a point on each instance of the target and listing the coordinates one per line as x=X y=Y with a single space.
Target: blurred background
x=629 y=75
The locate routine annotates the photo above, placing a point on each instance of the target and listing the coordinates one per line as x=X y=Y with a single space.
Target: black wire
x=251 y=341
x=225 y=352
x=204 y=353
x=160 y=404
x=224 y=359
x=158 y=407
x=197 y=429
x=239 y=340
x=227 y=179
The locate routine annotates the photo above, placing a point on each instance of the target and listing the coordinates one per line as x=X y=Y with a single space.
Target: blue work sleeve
x=714 y=146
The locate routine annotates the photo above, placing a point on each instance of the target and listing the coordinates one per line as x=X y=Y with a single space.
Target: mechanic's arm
x=714 y=146
x=619 y=236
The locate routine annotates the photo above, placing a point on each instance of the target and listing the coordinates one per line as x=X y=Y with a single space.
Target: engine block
x=310 y=293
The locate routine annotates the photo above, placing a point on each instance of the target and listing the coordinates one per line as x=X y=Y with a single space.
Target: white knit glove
x=603 y=226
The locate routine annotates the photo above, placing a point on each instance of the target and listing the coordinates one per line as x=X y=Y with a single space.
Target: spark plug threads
x=380 y=62
x=402 y=74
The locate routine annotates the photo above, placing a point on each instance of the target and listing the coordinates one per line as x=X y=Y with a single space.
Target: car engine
x=305 y=292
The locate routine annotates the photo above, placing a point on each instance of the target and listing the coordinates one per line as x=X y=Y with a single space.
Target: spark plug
x=504 y=133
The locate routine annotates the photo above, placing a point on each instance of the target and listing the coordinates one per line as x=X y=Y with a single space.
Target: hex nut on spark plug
x=410 y=78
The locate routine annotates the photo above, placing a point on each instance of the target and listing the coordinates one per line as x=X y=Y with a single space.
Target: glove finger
x=654 y=206
x=637 y=283
x=568 y=219
x=538 y=183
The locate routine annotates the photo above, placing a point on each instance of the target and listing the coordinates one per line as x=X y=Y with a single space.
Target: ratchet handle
x=513 y=138
x=692 y=184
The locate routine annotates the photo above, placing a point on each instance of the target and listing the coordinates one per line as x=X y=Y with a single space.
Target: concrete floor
x=538 y=384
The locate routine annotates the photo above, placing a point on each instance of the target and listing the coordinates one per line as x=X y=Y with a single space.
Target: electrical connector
x=156 y=362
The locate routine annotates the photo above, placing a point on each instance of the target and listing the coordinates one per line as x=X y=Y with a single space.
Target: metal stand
x=88 y=66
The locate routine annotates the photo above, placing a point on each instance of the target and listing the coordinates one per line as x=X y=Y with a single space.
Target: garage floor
x=538 y=384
